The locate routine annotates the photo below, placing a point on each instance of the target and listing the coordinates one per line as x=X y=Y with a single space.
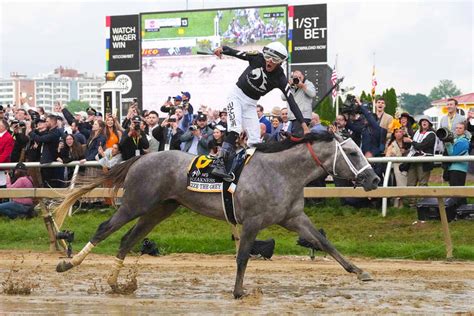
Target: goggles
x=273 y=59
x=272 y=55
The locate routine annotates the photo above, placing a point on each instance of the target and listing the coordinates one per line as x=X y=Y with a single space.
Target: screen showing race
x=171 y=40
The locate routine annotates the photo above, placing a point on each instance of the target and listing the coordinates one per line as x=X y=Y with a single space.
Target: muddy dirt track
x=199 y=284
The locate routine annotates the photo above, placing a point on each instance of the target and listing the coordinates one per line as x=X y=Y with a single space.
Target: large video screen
x=170 y=42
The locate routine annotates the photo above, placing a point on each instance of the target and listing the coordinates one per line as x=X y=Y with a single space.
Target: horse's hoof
x=365 y=276
x=63 y=266
x=238 y=295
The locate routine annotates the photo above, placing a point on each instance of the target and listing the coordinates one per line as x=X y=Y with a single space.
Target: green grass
x=354 y=232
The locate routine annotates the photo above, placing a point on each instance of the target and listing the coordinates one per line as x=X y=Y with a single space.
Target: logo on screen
x=125 y=83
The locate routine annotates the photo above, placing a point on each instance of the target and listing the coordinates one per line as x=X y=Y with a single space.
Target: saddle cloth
x=201 y=180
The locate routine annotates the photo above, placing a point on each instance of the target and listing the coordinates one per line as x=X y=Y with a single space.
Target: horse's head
x=350 y=163
x=344 y=159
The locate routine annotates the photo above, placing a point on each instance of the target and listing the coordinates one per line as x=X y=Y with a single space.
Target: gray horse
x=155 y=185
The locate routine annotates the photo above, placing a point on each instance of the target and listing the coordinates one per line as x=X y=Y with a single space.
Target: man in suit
x=49 y=142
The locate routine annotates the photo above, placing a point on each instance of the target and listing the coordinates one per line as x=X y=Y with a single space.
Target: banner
x=308 y=37
x=123 y=42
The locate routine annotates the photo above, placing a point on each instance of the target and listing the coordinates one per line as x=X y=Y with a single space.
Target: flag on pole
x=333 y=81
x=374 y=83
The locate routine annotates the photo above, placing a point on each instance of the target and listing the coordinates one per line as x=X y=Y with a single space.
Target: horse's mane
x=273 y=147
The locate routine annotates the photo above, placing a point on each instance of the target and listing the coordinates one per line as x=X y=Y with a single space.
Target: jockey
x=263 y=74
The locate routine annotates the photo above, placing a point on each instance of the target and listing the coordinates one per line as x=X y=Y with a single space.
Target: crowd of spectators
x=34 y=136
x=379 y=134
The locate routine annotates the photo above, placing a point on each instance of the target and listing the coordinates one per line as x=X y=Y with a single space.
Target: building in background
x=63 y=84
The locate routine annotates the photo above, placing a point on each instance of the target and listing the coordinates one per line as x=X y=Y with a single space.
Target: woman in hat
x=22 y=206
x=422 y=144
x=407 y=121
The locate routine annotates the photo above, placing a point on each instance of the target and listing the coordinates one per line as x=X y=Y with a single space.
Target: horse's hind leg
x=120 y=218
x=143 y=226
x=247 y=238
x=305 y=228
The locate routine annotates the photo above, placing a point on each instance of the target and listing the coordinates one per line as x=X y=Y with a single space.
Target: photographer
x=304 y=93
x=168 y=134
x=372 y=135
x=170 y=107
x=339 y=127
x=132 y=112
x=18 y=130
x=134 y=140
x=196 y=139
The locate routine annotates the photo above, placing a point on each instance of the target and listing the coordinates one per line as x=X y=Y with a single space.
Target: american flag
x=334 y=80
x=374 y=82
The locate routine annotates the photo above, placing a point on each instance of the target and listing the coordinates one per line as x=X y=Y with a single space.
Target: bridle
x=340 y=150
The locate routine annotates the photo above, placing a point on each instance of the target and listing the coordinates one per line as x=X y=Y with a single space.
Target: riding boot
x=223 y=163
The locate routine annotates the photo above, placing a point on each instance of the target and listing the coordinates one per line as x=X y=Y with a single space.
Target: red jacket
x=6 y=147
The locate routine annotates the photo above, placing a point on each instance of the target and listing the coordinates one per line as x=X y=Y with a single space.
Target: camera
x=67 y=235
x=296 y=81
x=350 y=105
x=193 y=128
x=169 y=99
x=149 y=247
x=136 y=125
x=445 y=135
x=171 y=120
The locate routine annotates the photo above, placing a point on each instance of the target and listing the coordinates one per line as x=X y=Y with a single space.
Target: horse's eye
x=353 y=153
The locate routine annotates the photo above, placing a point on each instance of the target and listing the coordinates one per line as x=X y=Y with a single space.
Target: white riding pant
x=242 y=115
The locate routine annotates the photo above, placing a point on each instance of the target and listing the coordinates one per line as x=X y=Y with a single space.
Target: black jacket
x=162 y=134
x=50 y=142
x=21 y=141
x=128 y=146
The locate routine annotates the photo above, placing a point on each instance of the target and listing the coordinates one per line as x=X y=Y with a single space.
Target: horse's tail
x=115 y=177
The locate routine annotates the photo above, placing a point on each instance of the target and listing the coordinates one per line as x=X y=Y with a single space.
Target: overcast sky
x=416 y=43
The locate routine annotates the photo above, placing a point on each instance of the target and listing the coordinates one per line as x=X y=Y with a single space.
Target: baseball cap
x=187 y=94
x=136 y=118
x=201 y=117
x=178 y=98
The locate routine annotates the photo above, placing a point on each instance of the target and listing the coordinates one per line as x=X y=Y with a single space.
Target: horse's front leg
x=305 y=228
x=144 y=225
x=247 y=238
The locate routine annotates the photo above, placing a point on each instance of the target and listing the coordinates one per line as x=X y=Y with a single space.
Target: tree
x=445 y=89
x=414 y=104
x=326 y=111
x=365 y=98
x=390 y=97
x=76 y=106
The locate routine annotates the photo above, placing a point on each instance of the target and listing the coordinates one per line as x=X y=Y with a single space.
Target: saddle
x=200 y=179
